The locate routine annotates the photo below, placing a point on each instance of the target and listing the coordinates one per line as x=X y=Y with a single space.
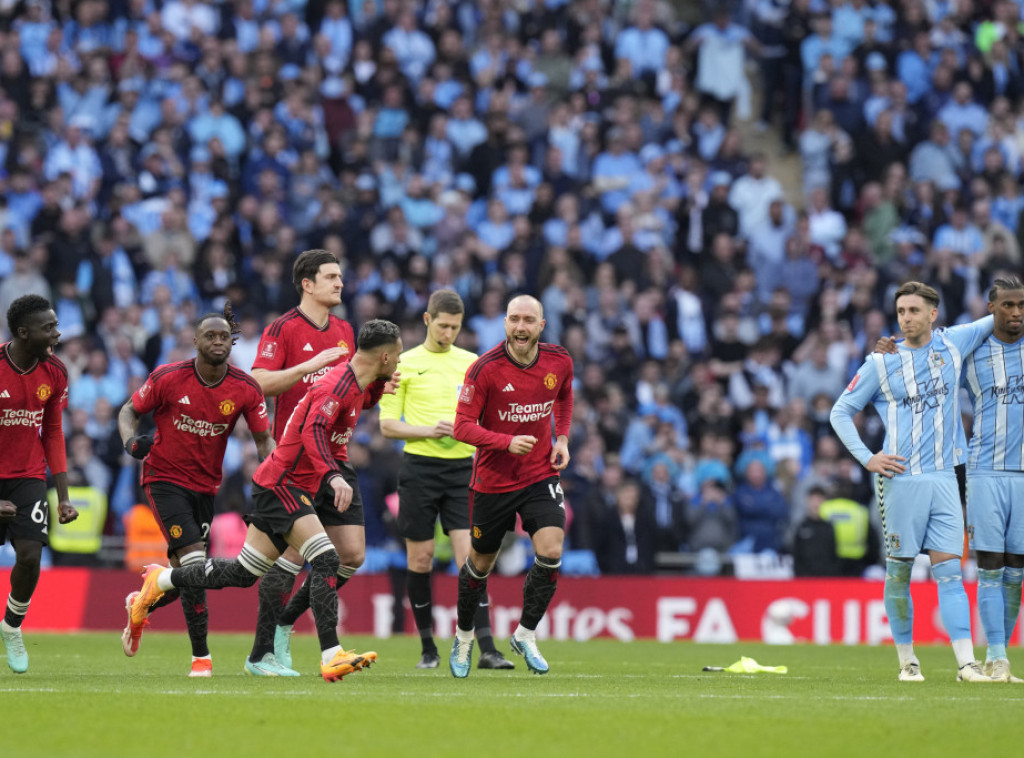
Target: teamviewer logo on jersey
x=508 y=388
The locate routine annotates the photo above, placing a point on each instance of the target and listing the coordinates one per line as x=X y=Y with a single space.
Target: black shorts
x=32 y=519
x=323 y=503
x=276 y=511
x=184 y=515
x=494 y=513
x=432 y=487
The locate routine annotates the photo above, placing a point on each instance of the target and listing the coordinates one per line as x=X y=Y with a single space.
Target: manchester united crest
x=550 y=381
x=305 y=500
x=43 y=392
x=175 y=531
x=227 y=407
x=344 y=347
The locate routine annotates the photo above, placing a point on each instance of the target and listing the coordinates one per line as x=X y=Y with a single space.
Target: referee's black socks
x=418 y=585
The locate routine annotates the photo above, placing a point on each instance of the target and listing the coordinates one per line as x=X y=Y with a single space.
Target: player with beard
x=309 y=459
x=508 y=399
x=295 y=350
x=33 y=393
x=433 y=482
x=195 y=405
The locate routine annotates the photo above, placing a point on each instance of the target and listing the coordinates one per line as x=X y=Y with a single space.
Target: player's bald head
x=521 y=303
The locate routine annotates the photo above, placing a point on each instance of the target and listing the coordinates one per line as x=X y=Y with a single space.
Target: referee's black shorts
x=431 y=487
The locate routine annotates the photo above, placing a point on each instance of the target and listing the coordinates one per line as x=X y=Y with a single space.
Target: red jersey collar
x=13 y=365
x=311 y=322
x=516 y=363
x=202 y=382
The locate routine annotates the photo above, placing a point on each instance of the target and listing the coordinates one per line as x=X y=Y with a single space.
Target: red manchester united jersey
x=293 y=339
x=31 y=403
x=194 y=421
x=317 y=433
x=501 y=399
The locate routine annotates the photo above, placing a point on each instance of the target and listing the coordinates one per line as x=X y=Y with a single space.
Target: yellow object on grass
x=749 y=666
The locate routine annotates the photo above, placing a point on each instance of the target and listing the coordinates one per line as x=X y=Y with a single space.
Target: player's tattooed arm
x=127 y=425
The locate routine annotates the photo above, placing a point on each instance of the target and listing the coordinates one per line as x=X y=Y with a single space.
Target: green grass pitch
x=82 y=697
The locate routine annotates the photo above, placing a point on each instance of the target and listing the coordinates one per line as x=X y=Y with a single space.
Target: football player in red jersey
x=195 y=405
x=309 y=459
x=510 y=396
x=33 y=394
x=296 y=350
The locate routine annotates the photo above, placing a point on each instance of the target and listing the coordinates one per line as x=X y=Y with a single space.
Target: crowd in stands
x=161 y=157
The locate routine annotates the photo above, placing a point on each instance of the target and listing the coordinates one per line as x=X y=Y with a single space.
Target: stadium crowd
x=161 y=158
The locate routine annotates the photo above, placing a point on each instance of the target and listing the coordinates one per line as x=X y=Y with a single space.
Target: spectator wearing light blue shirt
x=337 y=27
x=33 y=30
x=96 y=382
x=496 y=230
x=412 y=47
x=465 y=131
x=822 y=41
x=75 y=156
x=958 y=235
x=963 y=113
x=914 y=67
x=217 y=122
x=23 y=203
x=613 y=170
x=848 y=21
x=643 y=44
x=935 y=160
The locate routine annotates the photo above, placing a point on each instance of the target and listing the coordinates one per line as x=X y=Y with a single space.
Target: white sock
x=525 y=635
x=326 y=655
x=201 y=658
x=964 y=651
x=906 y=654
x=463 y=636
x=163 y=580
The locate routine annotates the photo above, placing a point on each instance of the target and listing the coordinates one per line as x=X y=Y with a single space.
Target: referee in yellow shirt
x=434 y=477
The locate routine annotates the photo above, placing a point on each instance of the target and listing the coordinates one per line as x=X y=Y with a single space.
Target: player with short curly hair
x=33 y=395
x=195 y=405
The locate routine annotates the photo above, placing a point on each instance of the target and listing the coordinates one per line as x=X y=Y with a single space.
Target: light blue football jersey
x=915 y=392
x=994 y=377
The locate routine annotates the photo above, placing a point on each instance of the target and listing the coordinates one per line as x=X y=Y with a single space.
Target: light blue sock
x=899 y=606
x=953 y=604
x=1012 y=578
x=990 y=608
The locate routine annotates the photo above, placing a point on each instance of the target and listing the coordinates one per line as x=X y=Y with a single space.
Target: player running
x=195 y=404
x=305 y=462
x=434 y=478
x=33 y=394
x=295 y=351
x=505 y=411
